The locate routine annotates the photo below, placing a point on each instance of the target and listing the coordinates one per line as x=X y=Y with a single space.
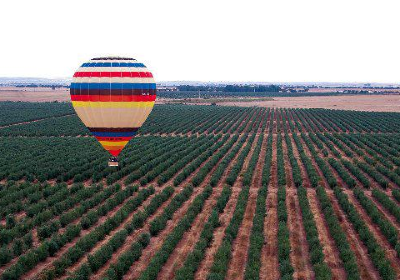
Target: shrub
x=322 y=271
x=345 y=253
x=374 y=249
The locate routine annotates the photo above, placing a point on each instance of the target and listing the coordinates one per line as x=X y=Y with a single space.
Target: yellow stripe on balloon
x=109 y=143
x=142 y=104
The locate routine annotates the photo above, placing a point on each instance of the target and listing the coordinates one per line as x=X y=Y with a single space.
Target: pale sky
x=207 y=40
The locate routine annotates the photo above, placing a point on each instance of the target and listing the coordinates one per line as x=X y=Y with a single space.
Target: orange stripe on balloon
x=113 y=147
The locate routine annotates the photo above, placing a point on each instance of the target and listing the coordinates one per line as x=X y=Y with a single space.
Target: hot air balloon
x=113 y=96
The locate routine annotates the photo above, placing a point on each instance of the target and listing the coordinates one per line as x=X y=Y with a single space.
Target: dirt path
x=315 y=125
x=328 y=244
x=76 y=265
x=61 y=230
x=304 y=122
x=37 y=120
x=187 y=243
x=366 y=268
x=132 y=238
x=35 y=238
x=207 y=262
x=288 y=167
x=268 y=122
x=229 y=125
x=389 y=251
x=275 y=122
x=245 y=122
x=269 y=254
x=223 y=124
x=374 y=183
x=371 y=180
x=171 y=181
x=240 y=246
x=287 y=120
x=291 y=119
x=49 y=261
x=315 y=165
x=224 y=218
x=391 y=184
x=384 y=211
x=269 y=261
x=295 y=118
x=299 y=254
x=265 y=118
x=69 y=271
x=303 y=171
x=156 y=242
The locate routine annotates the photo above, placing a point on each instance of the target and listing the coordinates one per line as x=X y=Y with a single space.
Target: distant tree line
x=207 y=92
x=53 y=86
x=231 y=88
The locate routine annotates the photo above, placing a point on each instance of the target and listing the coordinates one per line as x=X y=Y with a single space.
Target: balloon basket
x=113 y=161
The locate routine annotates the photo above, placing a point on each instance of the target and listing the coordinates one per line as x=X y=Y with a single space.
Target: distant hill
x=15 y=81
x=12 y=81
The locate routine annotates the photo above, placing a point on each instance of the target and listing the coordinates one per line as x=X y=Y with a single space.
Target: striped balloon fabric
x=113 y=96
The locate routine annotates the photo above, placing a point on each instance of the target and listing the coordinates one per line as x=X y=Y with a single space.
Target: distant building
x=167 y=88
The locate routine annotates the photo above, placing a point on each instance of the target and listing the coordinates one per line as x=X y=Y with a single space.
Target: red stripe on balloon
x=114 y=152
x=86 y=91
x=113 y=75
x=113 y=98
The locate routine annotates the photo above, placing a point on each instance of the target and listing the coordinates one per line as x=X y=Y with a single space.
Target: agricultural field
x=202 y=192
x=18 y=112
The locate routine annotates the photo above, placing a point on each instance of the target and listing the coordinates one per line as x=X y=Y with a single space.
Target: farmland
x=203 y=192
x=358 y=99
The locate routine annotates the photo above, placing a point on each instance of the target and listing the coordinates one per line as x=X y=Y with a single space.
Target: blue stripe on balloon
x=113 y=64
x=113 y=86
x=114 y=134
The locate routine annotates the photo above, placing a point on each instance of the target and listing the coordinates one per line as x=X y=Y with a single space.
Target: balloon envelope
x=113 y=96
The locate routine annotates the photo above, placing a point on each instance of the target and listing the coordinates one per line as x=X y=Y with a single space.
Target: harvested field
x=34 y=94
x=389 y=102
x=371 y=103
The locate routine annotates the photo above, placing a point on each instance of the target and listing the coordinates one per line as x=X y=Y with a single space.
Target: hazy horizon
x=16 y=80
